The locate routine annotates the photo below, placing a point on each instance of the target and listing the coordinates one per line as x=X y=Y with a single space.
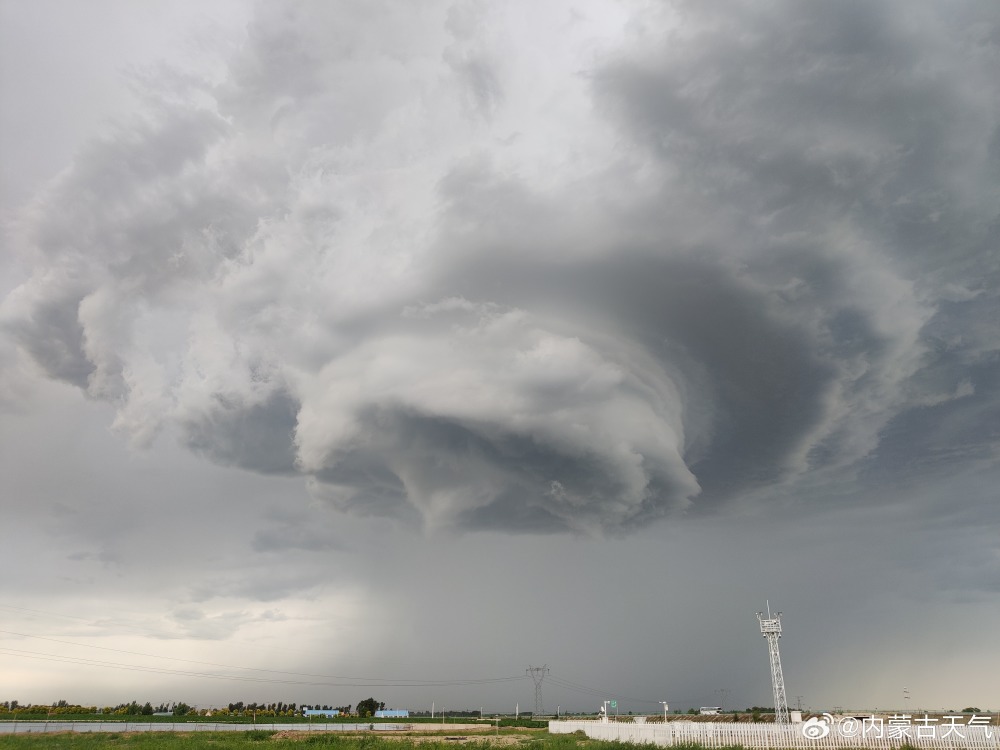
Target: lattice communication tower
x=538 y=674
x=770 y=628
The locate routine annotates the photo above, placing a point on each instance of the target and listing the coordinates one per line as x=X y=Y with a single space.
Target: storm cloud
x=678 y=256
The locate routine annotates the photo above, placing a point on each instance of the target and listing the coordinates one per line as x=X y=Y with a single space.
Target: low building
x=321 y=712
x=392 y=713
x=710 y=710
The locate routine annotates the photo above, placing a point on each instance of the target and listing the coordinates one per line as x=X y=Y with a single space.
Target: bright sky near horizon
x=387 y=349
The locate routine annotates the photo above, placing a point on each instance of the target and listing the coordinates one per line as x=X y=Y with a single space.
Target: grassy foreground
x=247 y=719
x=262 y=739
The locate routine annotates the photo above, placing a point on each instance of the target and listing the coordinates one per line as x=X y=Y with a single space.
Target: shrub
x=258 y=735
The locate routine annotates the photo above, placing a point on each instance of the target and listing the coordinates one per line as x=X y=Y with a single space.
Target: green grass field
x=224 y=719
x=510 y=740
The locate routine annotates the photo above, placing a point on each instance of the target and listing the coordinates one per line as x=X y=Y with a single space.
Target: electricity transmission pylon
x=538 y=674
x=770 y=628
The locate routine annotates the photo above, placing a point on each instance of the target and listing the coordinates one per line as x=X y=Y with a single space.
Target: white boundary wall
x=780 y=736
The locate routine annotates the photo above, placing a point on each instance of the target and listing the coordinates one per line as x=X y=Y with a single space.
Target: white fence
x=871 y=736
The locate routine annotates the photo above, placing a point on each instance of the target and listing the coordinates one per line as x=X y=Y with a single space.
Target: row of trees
x=122 y=709
x=278 y=709
x=366 y=708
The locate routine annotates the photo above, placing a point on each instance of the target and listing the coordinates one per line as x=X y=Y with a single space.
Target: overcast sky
x=374 y=348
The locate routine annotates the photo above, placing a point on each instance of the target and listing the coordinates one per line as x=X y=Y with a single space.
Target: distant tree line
x=366 y=708
x=122 y=709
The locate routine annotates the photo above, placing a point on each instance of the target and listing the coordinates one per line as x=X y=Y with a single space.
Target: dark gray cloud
x=259 y=437
x=717 y=252
x=53 y=336
x=294 y=537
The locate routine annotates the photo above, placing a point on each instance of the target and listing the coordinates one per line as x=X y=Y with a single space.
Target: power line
x=597 y=692
x=43 y=612
x=325 y=679
x=369 y=681
x=83 y=661
x=121 y=623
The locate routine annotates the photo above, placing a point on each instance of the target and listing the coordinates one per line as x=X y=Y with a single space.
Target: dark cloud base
x=769 y=256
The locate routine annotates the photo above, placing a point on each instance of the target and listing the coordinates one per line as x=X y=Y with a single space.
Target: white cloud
x=516 y=266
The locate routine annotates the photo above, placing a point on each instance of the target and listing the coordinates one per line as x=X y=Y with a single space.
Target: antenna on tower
x=538 y=674
x=770 y=628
